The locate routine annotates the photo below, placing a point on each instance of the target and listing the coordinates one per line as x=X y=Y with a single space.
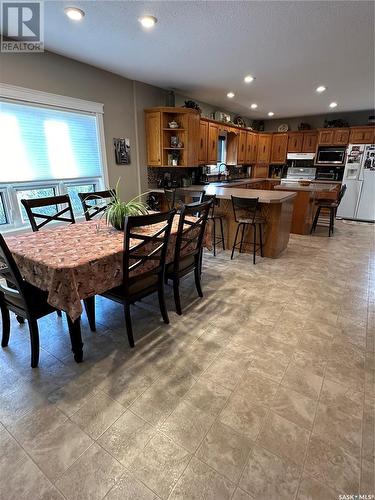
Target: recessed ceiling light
x=321 y=89
x=230 y=95
x=333 y=104
x=249 y=79
x=74 y=13
x=254 y=106
x=271 y=113
x=148 y=21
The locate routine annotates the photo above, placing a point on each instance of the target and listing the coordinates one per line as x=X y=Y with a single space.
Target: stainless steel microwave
x=330 y=155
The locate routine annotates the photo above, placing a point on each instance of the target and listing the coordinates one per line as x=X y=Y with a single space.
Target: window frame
x=21 y=95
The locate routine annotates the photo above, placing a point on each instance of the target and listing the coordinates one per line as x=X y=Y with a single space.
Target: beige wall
x=123 y=101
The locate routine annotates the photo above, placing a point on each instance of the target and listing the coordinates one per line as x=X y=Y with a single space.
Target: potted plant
x=117 y=210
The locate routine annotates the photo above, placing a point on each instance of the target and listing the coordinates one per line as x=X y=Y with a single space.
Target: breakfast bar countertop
x=225 y=193
x=313 y=187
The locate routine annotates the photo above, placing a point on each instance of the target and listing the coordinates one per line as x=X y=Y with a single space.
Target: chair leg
x=162 y=305
x=235 y=242
x=34 y=340
x=6 y=324
x=214 y=236
x=330 y=229
x=59 y=314
x=197 y=277
x=315 y=222
x=89 y=304
x=242 y=236
x=333 y=219
x=255 y=242
x=128 y=324
x=222 y=232
x=261 y=239
x=76 y=338
x=176 y=293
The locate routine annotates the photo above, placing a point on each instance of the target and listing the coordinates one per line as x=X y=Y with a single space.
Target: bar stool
x=246 y=214
x=332 y=207
x=213 y=217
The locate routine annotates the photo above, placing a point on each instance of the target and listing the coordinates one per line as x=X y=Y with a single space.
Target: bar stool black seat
x=213 y=218
x=331 y=206
x=246 y=213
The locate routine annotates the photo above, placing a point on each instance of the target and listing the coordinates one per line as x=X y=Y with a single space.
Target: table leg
x=76 y=338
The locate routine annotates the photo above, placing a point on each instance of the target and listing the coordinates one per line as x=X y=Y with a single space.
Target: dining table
x=75 y=262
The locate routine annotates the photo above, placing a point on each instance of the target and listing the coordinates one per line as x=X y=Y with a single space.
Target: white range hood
x=300 y=156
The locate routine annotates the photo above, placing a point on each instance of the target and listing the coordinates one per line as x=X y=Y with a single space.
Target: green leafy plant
x=117 y=210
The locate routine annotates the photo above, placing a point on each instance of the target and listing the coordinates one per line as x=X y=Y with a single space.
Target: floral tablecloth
x=75 y=261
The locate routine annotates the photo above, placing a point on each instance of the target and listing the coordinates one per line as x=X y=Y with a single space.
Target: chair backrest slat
x=244 y=208
x=9 y=270
x=151 y=248
x=90 y=211
x=35 y=203
x=191 y=228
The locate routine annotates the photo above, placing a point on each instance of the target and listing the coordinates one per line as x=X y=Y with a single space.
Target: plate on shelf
x=283 y=127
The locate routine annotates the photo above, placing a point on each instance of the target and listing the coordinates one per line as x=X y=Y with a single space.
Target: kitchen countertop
x=225 y=192
x=313 y=187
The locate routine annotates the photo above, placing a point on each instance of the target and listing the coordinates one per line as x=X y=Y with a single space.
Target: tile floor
x=262 y=390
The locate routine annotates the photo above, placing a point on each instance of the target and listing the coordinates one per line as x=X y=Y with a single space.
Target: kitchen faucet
x=219 y=174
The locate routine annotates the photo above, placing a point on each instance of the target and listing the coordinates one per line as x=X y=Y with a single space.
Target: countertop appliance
x=329 y=173
x=331 y=155
x=359 y=177
x=299 y=166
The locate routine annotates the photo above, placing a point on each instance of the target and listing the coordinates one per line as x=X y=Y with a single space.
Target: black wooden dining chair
x=23 y=299
x=64 y=213
x=330 y=207
x=97 y=205
x=180 y=196
x=188 y=249
x=146 y=254
x=62 y=204
x=213 y=217
x=246 y=213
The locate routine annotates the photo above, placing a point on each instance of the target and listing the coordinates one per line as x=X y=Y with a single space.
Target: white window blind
x=39 y=143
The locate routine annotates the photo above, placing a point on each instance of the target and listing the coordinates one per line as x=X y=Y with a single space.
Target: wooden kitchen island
x=304 y=204
x=276 y=208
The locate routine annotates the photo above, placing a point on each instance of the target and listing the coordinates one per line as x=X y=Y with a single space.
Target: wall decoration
x=122 y=151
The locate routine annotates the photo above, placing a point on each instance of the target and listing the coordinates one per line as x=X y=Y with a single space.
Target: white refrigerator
x=358 y=202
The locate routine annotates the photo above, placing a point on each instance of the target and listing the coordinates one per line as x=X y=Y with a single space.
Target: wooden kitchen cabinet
x=154 y=138
x=325 y=137
x=310 y=140
x=203 y=142
x=341 y=136
x=362 y=135
x=159 y=144
x=279 y=148
x=213 y=133
x=241 y=153
x=295 y=142
x=264 y=148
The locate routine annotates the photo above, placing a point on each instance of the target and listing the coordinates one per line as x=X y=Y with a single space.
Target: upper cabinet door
x=213 y=132
x=362 y=135
x=309 y=142
x=264 y=148
x=279 y=148
x=325 y=136
x=153 y=138
x=295 y=141
x=203 y=140
x=241 y=153
x=249 y=146
x=254 y=148
x=341 y=136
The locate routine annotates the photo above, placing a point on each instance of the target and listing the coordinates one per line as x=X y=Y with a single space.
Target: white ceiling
x=204 y=49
